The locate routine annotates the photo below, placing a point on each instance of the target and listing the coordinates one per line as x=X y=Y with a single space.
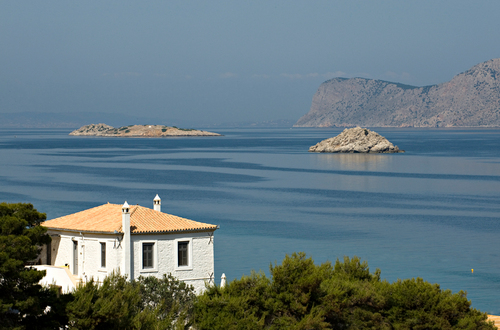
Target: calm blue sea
x=432 y=212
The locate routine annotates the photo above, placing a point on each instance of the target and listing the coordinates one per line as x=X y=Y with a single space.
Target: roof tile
x=108 y=218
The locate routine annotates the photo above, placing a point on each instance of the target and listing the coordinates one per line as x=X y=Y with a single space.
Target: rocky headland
x=470 y=99
x=138 y=131
x=356 y=140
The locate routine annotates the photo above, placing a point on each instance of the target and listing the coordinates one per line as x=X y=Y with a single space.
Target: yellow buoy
x=472 y=270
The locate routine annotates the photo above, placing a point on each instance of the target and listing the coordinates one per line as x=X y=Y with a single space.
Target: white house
x=134 y=240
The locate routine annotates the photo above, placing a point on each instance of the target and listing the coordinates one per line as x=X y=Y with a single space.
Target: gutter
x=136 y=232
x=176 y=231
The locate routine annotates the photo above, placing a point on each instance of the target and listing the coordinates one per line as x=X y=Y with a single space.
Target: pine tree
x=23 y=302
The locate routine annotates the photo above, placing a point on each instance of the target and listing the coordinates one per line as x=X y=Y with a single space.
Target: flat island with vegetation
x=138 y=131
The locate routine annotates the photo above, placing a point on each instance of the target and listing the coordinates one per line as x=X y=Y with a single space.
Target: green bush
x=145 y=303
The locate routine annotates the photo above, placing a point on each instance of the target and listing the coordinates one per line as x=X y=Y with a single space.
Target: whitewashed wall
x=200 y=269
x=89 y=253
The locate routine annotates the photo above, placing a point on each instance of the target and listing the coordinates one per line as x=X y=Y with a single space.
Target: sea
x=431 y=212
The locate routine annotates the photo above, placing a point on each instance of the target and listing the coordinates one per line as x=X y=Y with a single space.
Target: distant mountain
x=471 y=98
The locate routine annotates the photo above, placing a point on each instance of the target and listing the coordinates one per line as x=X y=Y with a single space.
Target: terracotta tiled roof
x=108 y=218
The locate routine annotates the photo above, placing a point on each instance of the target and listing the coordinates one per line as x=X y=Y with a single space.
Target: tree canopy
x=145 y=303
x=23 y=301
x=302 y=295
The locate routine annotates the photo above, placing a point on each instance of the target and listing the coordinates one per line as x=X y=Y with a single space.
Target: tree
x=115 y=304
x=171 y=300
x=351 y=296
x=23 y=302
x=291 y=299
x=296 y=291
x=416 y=304
x=302 y=295
x=146 y=303
x=242 y=304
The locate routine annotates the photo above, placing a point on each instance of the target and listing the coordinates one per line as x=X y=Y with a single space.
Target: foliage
x=416 y=304
x=302 y=295
x=242 y=304
x=23 y=301
x=147 y=303
x=171 y=300
x=113 y=305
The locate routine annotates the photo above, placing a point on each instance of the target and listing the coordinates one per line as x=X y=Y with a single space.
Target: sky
x=218 y=61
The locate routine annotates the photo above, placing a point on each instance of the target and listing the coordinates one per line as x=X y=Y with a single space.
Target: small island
x=138 y=131
x=356 y=140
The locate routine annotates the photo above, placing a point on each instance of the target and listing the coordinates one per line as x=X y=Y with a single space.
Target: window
x=182 y=257
x=147 y=255
x=182 y=249
x=103 y=255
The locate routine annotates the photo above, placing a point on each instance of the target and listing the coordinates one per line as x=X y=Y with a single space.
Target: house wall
x=89 y=253
x=200 y=268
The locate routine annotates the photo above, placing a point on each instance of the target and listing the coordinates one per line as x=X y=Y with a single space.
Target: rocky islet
x=356 y=140
x=138 y=131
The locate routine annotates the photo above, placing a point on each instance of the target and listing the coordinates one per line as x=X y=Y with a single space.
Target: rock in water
x=354 y=140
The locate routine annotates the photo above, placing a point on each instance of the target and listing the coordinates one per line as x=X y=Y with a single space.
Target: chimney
x=157 y=203
x=126 y=239
x=223 y=281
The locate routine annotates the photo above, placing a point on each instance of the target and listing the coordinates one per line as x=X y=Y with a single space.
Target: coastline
x=495 y=319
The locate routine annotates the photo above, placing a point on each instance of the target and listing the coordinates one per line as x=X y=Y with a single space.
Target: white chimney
x=126 y=239
x=157 y=203
x=223 y=281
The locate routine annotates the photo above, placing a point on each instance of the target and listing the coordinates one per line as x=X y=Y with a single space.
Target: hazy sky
x=215 y=61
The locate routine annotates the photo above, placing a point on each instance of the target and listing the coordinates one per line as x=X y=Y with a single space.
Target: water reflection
x=355 y=162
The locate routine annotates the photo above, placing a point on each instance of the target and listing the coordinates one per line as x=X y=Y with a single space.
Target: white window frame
x=190 y=254
x=106 y=255
x=76 y=259
x=155 y=256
